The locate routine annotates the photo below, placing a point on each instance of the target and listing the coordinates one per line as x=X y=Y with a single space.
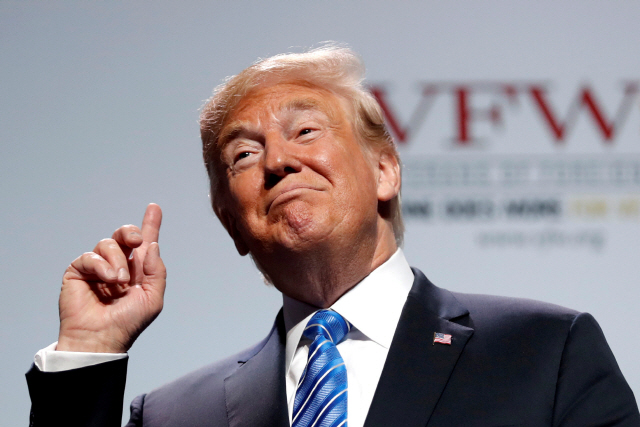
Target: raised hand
x=109 y=296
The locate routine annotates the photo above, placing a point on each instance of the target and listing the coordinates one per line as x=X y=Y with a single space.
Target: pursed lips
x=289 y=191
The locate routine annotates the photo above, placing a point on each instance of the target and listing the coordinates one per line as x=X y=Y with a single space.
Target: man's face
x=297 y=177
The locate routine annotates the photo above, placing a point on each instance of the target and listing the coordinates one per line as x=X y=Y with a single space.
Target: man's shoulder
x=496 y=318
x=505 y=307
x=196 y=396
x=483 y=307
x=213 y=373
x=523 y=360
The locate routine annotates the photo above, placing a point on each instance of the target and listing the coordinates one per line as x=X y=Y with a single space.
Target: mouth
x=288 y=193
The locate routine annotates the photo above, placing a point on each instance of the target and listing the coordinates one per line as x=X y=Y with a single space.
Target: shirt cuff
x=50 y=360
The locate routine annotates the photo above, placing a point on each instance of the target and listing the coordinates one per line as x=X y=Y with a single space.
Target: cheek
x=322 y=161
x=335 y=162
x=245 y=192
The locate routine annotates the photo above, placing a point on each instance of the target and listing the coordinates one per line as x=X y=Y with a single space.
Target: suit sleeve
x=591 y=390
x=89 y=397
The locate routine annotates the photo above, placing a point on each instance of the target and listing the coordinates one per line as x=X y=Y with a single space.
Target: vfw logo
x=467 y=113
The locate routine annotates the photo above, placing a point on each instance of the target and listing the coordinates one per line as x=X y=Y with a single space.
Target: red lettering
x=402 y=133
x=466 y=114
x=585 y=100
x=380 y=95
x=504 y=95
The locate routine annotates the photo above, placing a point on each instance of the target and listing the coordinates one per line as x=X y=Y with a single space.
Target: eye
x=243 y=155
x=305 y=131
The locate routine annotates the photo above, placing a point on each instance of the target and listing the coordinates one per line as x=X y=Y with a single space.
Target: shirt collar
x=373 y=306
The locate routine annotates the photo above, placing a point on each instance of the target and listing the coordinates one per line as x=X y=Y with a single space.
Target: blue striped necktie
x=321 y=396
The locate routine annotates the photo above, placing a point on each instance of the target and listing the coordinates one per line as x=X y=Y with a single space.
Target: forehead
x=277 y=100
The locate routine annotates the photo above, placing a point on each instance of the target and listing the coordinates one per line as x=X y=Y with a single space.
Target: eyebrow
x=235 y=129
x=229 y=133
x=310 y=105
x=300 y=104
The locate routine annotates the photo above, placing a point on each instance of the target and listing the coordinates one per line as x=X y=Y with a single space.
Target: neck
x=320 y=277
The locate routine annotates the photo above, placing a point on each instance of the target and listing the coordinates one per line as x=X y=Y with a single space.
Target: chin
x=301 y=227
x=298 y=224
x=298 y=220
x=302 y=239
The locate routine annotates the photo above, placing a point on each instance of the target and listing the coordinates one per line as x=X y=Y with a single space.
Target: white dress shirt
x=51 y=360
x=373 y=307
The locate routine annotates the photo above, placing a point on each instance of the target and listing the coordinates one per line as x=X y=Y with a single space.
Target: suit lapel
x=417 y=370
x=255 y=393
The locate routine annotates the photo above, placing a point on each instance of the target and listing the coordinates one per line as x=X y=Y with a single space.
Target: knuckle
x=123 y=229
x=107 y=241
x=127 y=235
x=108 y=245
x=89 y=258
x=128 y=228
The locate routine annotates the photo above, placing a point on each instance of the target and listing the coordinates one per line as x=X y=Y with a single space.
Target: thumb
x=154 y=270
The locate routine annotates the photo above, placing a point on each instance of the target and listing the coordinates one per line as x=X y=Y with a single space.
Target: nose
x=280 y=160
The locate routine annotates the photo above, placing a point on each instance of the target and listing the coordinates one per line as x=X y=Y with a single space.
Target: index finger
x=151 y=223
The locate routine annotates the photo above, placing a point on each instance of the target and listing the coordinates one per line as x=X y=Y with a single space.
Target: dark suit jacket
x=511 y=362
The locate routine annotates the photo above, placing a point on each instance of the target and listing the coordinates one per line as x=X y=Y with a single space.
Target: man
x=305 y=178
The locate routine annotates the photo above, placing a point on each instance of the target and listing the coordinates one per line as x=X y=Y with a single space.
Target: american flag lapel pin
x=440 y=338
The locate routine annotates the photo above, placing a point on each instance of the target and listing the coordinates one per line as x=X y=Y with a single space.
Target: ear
x=389 y=178
x=229 y=223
